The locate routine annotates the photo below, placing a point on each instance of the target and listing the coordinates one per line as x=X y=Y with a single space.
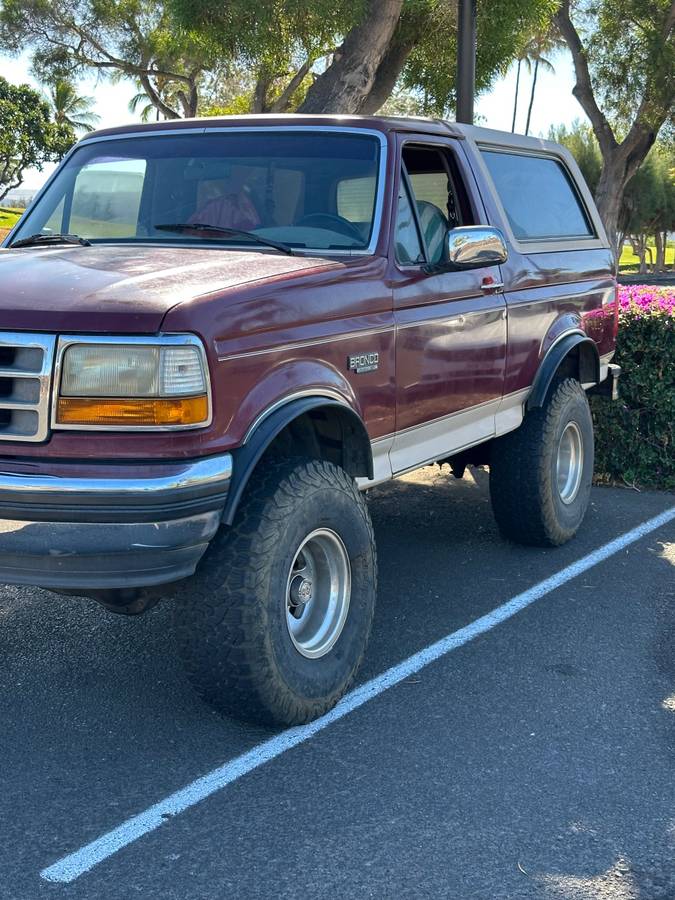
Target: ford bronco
x=217 y=334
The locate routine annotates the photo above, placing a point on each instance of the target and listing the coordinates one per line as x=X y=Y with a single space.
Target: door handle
x=489 y=285
x=457 y=323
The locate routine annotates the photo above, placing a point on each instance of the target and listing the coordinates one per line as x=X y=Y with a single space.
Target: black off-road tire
x=523 y=481
x=230 y=618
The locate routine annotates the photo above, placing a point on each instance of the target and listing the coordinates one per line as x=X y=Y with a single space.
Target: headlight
x=138 y=383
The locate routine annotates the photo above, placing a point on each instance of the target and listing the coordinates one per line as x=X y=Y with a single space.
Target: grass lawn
x=628 y=258
x=8 y=218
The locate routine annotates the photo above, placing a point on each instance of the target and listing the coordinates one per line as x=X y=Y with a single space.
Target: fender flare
x=246 y=457
x=551 y=363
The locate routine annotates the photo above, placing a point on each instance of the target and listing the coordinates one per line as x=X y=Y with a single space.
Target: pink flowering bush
x=643 y=299
x=635 y=438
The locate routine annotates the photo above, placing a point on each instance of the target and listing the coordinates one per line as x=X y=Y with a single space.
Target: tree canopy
x=133 y=38
x=28 y=136
x=190 y=56
x=367 y=48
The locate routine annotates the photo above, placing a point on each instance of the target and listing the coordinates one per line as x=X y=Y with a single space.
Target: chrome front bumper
x=117 y=527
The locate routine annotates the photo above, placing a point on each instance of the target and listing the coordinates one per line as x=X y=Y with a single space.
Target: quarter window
x=538 y=196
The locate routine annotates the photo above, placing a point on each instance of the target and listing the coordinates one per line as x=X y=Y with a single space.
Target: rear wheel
x=540 y=474
x=275 y=623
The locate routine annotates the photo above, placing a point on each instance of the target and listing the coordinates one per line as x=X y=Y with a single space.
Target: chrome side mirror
x=474 y=246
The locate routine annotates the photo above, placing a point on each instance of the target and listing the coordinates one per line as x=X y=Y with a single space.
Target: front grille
x=26 y=362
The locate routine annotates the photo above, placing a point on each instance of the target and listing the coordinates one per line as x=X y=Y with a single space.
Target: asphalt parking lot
x=535 y=761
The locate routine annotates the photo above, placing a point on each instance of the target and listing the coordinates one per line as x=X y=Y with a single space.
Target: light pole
x=466 y=60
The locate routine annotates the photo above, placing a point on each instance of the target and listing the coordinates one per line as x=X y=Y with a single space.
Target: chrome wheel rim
x=570 y=462
x=318 y=591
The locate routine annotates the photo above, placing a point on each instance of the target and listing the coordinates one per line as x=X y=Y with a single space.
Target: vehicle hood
x=121 y=288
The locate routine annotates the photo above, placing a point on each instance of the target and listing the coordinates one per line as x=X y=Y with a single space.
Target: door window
x=436 y=202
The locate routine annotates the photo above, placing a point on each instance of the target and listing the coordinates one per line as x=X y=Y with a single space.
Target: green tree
x=624 y=61
x=132 y=38
x=28 y=136
x=649 y=208
x=70 y=108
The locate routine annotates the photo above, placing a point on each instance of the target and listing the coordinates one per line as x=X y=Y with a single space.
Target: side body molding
x=248 y=455
x=589 y=365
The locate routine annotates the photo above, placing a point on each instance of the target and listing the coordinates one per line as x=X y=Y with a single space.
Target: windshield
x=312 y=190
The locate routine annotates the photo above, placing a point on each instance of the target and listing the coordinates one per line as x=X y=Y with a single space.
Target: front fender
x=260 y=437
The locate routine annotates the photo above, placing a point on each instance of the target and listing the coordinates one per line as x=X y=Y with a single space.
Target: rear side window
x=538 y=196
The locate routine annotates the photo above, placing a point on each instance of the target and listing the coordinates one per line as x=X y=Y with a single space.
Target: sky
x=553 y=103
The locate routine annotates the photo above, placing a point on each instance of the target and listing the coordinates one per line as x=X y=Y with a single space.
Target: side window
x=408 y=245
x=106 y=198
x=538 y=196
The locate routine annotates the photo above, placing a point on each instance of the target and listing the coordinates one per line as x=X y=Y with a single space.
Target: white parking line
x=80 y=861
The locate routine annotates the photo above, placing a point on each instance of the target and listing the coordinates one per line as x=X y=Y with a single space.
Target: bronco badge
x=363 y=362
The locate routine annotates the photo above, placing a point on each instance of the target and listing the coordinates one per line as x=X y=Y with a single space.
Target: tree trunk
x=155 y=98
x=534 y=87
x=388 y=71
x=347 y=82
x=609 y=195
x=284 y=99
x=262 y=85
x=515 y=99
x=643 y=255
x=620 y=163
x=660 y=243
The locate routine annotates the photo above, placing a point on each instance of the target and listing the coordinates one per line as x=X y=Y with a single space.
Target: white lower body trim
x=605 y=360
x=424 y=444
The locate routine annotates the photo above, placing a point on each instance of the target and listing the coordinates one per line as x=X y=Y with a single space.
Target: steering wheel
x=332 y=223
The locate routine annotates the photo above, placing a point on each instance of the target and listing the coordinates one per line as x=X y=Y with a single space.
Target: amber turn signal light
x=148 y=411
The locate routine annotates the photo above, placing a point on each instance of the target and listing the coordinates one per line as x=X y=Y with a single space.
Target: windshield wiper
x=51 y=239
x=233 y=232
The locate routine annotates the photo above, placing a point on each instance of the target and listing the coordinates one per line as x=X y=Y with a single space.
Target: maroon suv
x=217 y=333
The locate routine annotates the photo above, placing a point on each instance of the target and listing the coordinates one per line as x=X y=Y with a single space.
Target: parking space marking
x=75 y=864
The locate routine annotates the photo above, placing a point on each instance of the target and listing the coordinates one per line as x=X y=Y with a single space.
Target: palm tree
x=70 y=108
x=538 y=47
x=142 y=100
x=521 y=57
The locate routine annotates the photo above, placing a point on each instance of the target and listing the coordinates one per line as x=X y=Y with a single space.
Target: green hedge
x=635 y=437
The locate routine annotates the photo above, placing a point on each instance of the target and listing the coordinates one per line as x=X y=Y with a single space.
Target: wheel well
x=575 y=356
x=306 y=426
x=328 y=433
x=580 y=363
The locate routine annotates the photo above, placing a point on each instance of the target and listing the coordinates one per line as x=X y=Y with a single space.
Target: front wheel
x=275 y=623
x=540 y=474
